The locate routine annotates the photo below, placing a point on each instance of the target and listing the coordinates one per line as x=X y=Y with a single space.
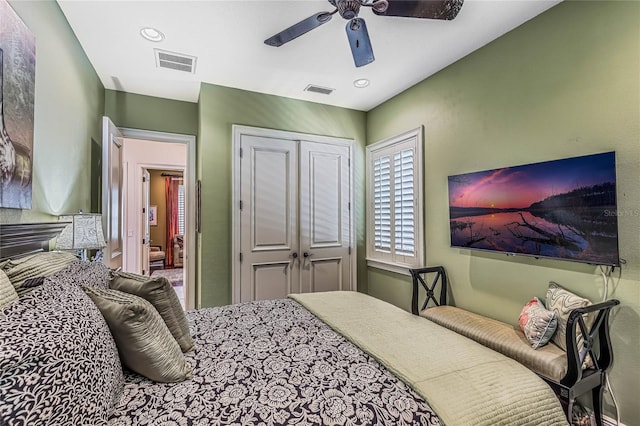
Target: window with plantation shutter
x=394 y=198
x=181 y=209
x=382 y=203
x=403 y=202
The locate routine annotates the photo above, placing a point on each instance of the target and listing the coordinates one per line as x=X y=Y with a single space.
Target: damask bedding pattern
x=272 y=362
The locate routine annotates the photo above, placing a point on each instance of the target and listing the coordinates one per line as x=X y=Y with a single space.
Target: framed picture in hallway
x=153 y=215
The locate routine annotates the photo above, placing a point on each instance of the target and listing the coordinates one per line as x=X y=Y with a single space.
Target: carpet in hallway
x=175 y=276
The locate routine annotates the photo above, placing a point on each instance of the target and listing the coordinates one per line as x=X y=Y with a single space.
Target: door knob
x=294 y=255
x=307 y=254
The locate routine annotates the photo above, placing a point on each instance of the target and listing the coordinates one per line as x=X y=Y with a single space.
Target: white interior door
x=324 y=217
x=146 y=239
x=268 y=202
x=112 y=183
x=294 y=221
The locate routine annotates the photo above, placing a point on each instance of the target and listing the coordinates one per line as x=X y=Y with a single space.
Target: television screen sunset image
x=561 y=209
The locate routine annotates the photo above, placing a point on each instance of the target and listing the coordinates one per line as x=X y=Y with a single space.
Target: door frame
x=144 y=214
x=112 y=255
x=192 y=291
x=238 y=131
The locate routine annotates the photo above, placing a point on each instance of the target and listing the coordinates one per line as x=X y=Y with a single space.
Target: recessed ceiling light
x=361 y=82
x=151 y=34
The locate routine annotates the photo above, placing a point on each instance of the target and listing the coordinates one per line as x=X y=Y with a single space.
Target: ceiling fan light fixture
x=361 y=83
x=151 y=34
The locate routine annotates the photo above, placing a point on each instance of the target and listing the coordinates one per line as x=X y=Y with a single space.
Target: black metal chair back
x=418 y=279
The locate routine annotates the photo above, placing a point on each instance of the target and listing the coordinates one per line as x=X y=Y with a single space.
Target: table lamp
x=84 y=232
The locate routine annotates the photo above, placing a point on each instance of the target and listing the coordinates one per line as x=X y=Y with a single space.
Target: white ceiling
x=227 y=39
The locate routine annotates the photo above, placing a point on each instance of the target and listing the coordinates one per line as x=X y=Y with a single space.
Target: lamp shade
x=84 y=231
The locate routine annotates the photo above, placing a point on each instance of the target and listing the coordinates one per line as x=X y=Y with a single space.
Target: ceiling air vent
x=318 y=89
x=175 y=61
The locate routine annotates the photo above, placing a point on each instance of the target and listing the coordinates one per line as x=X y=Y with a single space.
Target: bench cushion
x=549 y=361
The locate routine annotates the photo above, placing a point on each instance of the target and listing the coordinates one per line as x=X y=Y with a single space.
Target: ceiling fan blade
x=298 y=29
x=429 y=9
x=359 y=41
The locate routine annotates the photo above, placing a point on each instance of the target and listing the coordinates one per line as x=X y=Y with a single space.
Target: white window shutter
x=382 y=203
x=181 y=209
x=404 y=203
x=394 y=202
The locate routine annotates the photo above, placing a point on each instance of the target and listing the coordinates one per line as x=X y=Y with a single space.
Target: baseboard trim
x=608 y=421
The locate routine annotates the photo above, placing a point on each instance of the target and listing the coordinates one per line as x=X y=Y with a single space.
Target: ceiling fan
x=356 y=27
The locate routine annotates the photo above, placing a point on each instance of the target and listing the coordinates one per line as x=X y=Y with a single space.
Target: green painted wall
x=69 y=100
x=220 y=108
x=151 y=113
x=566 y=83
x=142 y=112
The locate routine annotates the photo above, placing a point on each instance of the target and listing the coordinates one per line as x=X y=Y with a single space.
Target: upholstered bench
x=565 y=371
x=548 y=361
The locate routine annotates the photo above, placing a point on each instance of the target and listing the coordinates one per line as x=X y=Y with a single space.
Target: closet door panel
x=269 y=220
x=324 y=216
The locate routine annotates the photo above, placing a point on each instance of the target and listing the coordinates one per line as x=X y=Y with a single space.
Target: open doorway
x=142 y=151
x=167 y=227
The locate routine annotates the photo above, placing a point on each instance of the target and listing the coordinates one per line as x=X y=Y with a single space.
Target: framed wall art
x=17 y=89
x=153 y=215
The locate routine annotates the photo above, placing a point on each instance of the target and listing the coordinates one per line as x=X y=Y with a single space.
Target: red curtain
x=171 y=194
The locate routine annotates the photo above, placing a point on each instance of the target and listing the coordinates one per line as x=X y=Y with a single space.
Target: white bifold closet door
x=295 y=220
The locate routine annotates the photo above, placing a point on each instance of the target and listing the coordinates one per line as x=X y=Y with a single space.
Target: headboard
x=21 y=239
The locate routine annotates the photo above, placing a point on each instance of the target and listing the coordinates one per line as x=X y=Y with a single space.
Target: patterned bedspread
x=272 y=363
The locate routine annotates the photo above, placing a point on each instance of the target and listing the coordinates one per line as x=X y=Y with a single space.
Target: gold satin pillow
x=144 y=342
x=159 y=292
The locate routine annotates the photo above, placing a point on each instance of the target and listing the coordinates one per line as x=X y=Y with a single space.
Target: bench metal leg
x=569 y=408
x=596 y=394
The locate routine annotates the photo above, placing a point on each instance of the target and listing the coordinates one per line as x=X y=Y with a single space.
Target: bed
x=337 y=358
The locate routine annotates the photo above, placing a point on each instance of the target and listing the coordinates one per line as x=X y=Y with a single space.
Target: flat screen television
x=564 y=209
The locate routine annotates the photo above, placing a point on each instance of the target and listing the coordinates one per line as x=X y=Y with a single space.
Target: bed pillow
x=537 y=323
x=59 y=364
x=144 y=342
x=8 y=294
x=160 y=293
x=37 y=265
x=562 y=302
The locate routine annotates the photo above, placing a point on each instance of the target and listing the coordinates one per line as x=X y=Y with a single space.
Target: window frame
x=391 y=261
